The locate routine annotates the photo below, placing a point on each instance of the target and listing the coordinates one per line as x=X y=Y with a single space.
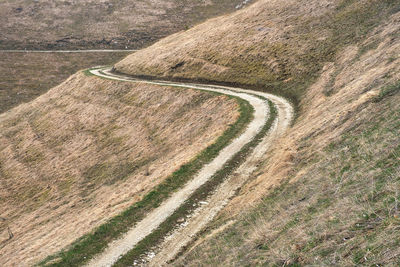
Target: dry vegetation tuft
x=87 y=150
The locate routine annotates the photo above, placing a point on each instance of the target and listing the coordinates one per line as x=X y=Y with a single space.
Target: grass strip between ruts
x=89 y=245
x=156 y=237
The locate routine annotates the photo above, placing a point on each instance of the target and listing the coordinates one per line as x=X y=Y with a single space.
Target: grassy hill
x=327 y=193
x=278 y=46
x=88 y=149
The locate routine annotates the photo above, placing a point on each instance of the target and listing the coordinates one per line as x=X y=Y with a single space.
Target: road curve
x=187 y=231
x=119 y=247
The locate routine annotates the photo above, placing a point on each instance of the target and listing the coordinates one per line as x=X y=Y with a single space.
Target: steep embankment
x=336 y=172
x=87 y=150
x=338 y=168
x=276 y=45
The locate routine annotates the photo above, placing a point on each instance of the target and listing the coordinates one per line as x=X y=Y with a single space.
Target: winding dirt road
x=174 y=243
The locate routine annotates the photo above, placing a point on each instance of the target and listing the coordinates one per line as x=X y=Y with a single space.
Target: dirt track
x=188 y=230
x=205 y=213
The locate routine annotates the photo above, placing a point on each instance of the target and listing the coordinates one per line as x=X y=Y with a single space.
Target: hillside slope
x=87 y=150
x=327 y=194
x=273 y=45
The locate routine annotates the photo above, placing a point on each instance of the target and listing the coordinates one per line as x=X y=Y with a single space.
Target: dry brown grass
x=107 y=23
x=88 y=149
x=24 y=77
x=328 y=192
x=325 y=195
x=341 y=211
x=252 y=46
x=274 y=45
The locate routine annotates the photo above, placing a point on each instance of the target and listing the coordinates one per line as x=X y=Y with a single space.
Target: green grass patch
x=87 y=72
x=388 y=91
x=109 y=173
x=32 y=155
